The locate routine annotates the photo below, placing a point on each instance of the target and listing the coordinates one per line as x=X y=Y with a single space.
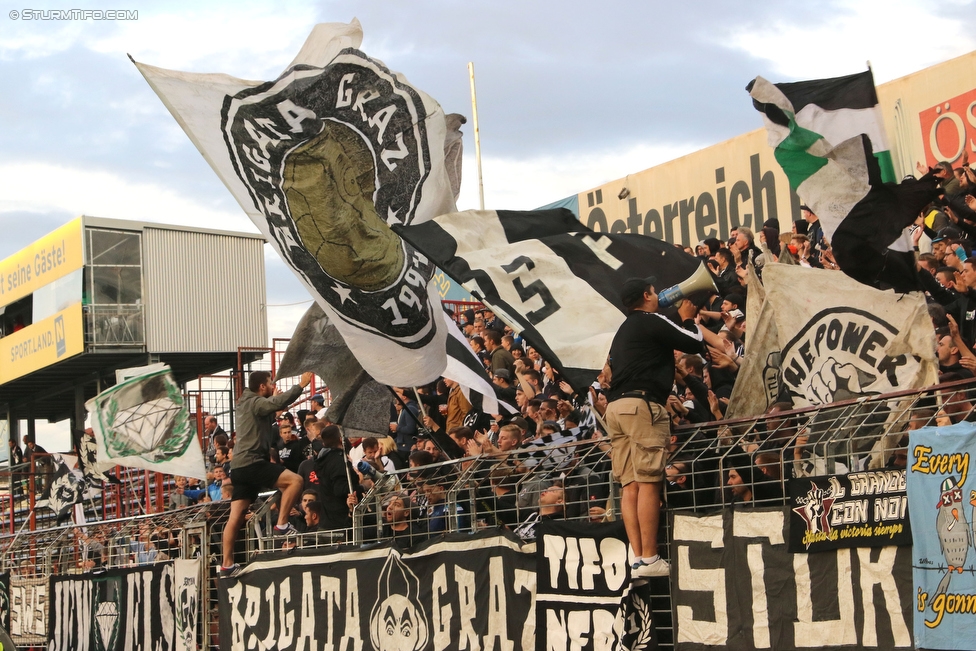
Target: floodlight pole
x=477 y=136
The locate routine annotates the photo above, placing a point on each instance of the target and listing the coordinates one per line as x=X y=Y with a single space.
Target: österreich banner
x=148 y=608
x=942 y=496
x=860 y=509
x=738 y=587
x=473 y=592
x=586 y=599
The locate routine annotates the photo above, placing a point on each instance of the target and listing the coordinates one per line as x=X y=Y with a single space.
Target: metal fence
x=739 y=463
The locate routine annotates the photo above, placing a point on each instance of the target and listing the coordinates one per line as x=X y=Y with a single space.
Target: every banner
x=151 y=608
x=860 y=509
x=463 y=592
x=586 y=600
x=943 y=498
x=738 y=587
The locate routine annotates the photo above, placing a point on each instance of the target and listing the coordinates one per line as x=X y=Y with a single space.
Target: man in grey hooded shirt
x=251 y=470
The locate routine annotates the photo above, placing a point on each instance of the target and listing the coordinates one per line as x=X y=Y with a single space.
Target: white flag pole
x=477 y=136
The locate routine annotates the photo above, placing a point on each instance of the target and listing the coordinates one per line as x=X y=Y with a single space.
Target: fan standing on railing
x=251 y=468
x=642 y=374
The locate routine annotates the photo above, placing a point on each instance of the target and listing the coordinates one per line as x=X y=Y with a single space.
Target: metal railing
x=506 y=490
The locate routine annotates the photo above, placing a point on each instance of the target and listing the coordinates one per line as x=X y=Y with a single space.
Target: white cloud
x=524 y=184
x=896 y=36
x=41 y=187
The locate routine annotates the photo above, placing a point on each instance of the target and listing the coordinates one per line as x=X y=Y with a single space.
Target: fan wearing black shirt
x=642 y=366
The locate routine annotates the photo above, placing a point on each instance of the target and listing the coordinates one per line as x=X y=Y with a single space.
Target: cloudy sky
x=570 y=94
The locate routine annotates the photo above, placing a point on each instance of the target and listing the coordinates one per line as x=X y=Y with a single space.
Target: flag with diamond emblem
x=143 y=422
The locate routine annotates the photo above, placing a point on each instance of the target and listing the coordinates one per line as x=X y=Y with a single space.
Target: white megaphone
x=699 y=281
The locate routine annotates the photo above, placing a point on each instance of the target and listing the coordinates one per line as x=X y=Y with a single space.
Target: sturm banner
x=460 y=592
x=860 y=509
x=942 y=496
x=738 y=587
x=586 y=600
x=148 y=608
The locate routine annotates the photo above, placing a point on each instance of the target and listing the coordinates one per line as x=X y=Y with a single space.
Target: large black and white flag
x=464 y=367
x=549 y=277
x=322 y=159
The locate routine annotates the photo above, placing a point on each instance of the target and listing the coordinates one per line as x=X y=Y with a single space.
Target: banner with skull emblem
x=323 y=160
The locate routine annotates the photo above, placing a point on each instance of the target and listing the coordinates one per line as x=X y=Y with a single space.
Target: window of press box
x=17 y=316
x=116 y=285
x=113 y=248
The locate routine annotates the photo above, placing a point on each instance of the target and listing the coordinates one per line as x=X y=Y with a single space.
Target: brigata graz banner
x=461 y=592
x=586 y=599
x=738 y=587
x=860 y=509
x=152 y=608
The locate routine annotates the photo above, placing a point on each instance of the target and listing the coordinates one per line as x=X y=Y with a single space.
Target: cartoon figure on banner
x=815 y=510
x=186 y=612
x=955 y=536
x=398 y=621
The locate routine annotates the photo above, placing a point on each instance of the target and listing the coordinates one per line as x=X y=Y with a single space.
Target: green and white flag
x=828 y=138
x=833 y=109
x=143 y=422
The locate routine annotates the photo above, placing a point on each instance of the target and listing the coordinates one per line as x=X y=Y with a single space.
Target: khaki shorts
x=639 y=433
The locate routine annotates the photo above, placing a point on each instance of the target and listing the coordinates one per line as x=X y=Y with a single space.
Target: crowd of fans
x=443 y=464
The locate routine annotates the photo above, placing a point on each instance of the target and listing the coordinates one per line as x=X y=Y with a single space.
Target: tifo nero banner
x=586 y=599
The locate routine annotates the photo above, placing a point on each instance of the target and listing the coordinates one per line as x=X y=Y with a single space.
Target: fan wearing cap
x=642 y=374
x=318 y=405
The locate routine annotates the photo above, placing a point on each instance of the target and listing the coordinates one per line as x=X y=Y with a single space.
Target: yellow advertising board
x=41 y=344
x=49 y=258
x=929 y=115
x=701 y=195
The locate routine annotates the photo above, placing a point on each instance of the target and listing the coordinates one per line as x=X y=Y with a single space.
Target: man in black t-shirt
x=642 y=374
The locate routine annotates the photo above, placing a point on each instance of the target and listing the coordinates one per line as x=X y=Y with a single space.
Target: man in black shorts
x=642 y=374
x=251 y=470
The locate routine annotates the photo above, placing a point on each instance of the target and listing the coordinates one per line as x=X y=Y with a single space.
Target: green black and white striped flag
x=829 y=139
x=832 y=109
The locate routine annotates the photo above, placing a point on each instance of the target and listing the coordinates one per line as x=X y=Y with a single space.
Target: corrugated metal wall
x=203 y=292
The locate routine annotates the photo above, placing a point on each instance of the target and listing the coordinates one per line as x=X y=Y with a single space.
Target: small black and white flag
x=829 y=140
x=549 y=277
x=464 y=367
x=66 y=489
